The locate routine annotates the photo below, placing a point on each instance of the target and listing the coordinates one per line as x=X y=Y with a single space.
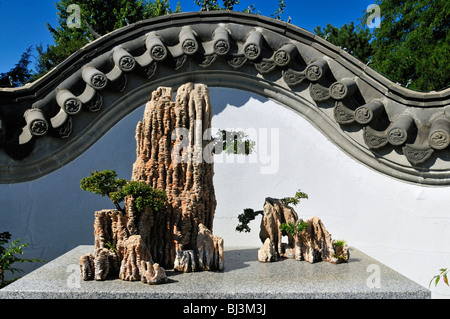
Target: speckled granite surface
x=244 y=278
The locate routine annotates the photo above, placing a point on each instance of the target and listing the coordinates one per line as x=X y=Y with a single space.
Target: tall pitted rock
x=172 y=155
x=313 y=244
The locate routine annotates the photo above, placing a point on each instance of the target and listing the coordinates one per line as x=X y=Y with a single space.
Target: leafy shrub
x=294 y=229
x=443 y=274
x=106 y=183
x=339 y=243
x=8 y=257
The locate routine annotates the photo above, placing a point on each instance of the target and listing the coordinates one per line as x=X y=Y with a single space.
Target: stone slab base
x=243 y=278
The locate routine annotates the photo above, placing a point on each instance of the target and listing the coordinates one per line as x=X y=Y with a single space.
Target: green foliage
x=443 y=274
x=280 y=9
x=102 y=183
x=349 y=38
x=411 y=46
x=413 y=43
x=20 y=74
x=296 y=199
x=111 y=247
x=100 y=16
x=210 y=5
x=8 y=256
x=341 y=256
x=339 y=243
x=294 y=229
x=245 y=218
x=144 y=196
x=214 y=5
x=249 y=215
x=106 y=183
x=234 y=142
x=288 y=228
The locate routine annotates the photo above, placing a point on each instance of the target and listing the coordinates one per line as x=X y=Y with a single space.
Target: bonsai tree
x=106 y=183
x=233 y=142
x=8 y=257
x=293 y=229
x=249 y=214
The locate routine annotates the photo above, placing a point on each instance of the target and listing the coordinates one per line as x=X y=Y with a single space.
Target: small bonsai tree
x=8 y=257
x=249 y=214
x=294 y=229
x=233 y=142
x=106 y=183
x=296 y=199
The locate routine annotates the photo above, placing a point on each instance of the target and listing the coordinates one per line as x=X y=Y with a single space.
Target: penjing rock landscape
x=138 y=245
x=307 y=240
x=149 y=234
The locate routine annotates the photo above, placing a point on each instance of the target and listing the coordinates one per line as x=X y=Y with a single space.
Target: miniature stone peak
x=139 y=245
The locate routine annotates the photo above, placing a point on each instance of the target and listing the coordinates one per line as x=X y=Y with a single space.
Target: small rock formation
x=267 y=253
x=116 y=254
x=136 y=245
x=314 y=244
x=104 y=262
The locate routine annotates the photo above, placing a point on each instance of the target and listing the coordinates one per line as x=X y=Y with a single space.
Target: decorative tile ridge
x=244 y=45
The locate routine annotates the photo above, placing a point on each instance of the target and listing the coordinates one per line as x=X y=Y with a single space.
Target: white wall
x=406 y=227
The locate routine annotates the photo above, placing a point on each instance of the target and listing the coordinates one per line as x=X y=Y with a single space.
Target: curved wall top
x=396 y=131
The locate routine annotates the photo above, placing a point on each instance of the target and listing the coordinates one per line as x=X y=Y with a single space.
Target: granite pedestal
x=243 y=278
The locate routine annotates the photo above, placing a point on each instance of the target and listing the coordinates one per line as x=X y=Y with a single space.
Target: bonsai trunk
x=118 y=207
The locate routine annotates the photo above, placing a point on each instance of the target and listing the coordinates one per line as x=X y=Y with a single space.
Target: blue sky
x=22 y=23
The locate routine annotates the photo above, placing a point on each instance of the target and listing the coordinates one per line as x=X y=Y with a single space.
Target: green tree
x=212 y=5
x=98 y=17
x=20 y=74
x=355 y=41
x=413 y=43
x=144 y=196
x=8 y=257
x=106 y=183
x=250 y=214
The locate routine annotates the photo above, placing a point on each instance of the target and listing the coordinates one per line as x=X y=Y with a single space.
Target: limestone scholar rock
x=314 y=244
x=117 y=254
x=276 y=213
x=173 y=156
